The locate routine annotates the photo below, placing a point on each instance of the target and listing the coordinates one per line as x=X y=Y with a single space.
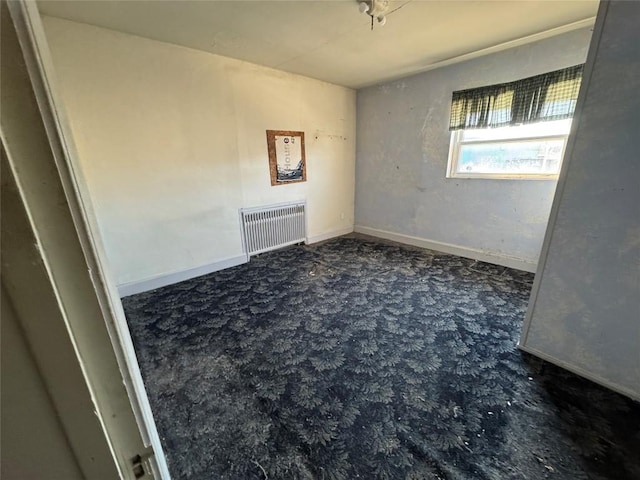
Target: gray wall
x=585 y=308
x=402 y=149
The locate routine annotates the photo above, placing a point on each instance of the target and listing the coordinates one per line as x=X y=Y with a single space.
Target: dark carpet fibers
x=358 y=359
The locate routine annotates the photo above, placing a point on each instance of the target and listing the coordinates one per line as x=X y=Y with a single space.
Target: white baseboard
x=132 y=288
x=327 y=236
x=475 y=254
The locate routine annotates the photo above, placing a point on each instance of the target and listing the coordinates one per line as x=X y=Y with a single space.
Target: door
x=91 y=330
x=585 y=305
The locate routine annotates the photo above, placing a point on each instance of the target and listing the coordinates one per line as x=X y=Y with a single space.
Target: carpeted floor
x=356 y=359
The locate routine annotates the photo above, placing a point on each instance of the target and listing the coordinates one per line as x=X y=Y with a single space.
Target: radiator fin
x=272 y=227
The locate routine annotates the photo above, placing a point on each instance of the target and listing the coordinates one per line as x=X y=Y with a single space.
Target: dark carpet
x=358 y=359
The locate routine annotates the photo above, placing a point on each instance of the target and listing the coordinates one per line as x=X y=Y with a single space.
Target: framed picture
x=287 y=162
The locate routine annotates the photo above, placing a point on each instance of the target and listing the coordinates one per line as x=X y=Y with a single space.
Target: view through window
x=534 y=150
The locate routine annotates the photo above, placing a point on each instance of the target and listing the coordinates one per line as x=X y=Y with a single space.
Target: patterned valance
x=550 y=96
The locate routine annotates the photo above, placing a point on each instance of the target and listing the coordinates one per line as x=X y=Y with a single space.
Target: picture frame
x=287 y=161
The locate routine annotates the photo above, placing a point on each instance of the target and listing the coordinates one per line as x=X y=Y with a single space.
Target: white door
x=42 y=157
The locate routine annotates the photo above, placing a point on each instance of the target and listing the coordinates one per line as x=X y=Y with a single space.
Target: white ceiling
x=331 y=40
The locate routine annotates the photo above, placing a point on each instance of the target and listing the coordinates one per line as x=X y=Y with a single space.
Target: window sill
x=492 y=176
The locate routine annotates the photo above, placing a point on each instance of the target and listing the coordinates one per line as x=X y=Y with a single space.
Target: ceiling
x=331 y=40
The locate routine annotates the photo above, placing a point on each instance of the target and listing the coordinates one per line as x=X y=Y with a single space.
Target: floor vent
x=271 y=227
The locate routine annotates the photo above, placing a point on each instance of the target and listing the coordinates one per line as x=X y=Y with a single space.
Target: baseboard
x=583 y=373
x=329 y=235
x=133 y=288
x=475 y=254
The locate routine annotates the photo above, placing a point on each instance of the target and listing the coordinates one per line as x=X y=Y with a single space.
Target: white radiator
x=271 y=227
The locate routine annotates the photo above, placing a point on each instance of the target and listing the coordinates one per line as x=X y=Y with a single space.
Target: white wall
x=172 y=143
x=402 y=151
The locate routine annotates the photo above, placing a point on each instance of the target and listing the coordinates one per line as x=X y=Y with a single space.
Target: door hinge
x=144 y=466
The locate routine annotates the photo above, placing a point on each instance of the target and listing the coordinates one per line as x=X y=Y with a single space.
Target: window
x=534 y=150
x=513 y=130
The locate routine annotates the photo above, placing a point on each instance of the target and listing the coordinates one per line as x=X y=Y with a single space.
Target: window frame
x=456 y=143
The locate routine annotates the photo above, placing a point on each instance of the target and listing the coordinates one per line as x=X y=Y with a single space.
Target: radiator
x=271 y=227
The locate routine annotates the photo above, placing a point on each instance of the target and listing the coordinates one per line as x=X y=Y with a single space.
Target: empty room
x=321 y=239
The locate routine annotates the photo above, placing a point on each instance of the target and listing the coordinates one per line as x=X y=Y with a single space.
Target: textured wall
x=172 y=143
x=586 y=314
x=402 y=150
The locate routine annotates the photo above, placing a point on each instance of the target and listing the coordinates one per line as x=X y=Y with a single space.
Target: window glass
x=526 y=151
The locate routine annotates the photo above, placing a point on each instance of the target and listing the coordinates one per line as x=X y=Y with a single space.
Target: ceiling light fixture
x=375 y=9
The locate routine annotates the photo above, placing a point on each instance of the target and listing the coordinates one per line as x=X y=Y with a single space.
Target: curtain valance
x=549 y=96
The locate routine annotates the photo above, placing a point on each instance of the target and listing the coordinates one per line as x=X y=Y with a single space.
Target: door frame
x=31 y=36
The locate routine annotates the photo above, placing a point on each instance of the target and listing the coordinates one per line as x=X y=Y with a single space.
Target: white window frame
x=457 y=143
